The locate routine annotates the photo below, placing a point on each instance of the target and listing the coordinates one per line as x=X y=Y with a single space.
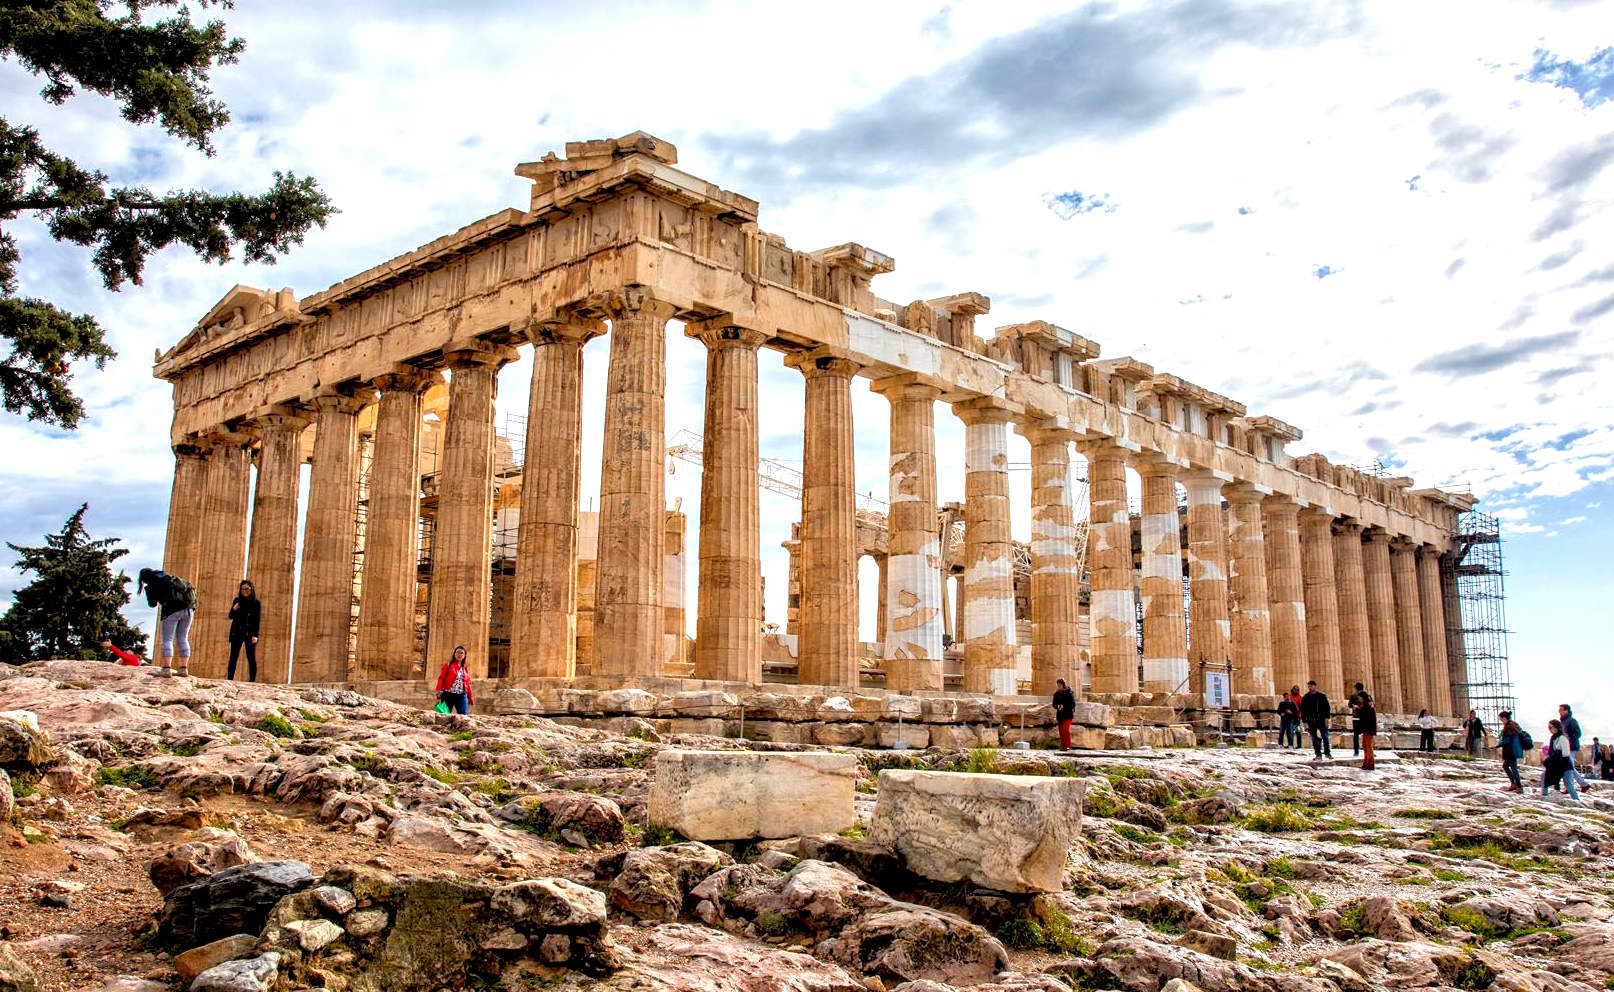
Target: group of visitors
x=1560 y=755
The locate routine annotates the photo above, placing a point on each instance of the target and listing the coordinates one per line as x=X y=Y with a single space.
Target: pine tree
x=156 y=71
x=72 y=604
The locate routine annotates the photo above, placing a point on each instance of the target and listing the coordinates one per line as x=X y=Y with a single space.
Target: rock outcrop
x=740 y=795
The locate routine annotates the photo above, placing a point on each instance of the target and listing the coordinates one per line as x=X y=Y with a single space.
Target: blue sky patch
x=1592 y=80
x=1068 y=205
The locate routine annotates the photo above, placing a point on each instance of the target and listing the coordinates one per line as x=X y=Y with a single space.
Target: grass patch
x=1447 y=875
x=1277 y=818
x=461 y=735
x=132 y=777
x=1136 y=835
x=1056 y=934
x=1473 y=975
x=1168 y=927
x=1424 y=814
x=186 y=749
x=498 y=788
x=1354 y=919
x=982 y=760
x=1117 y=773
x=655 y=835
x=469 y=762
x=442 y=775
x=276 y=725
x=312 y=717
x=637 y=758
x=856 y=831
x=772 y=923
x=1104 y=803
x=21 y=788
x=1281 y=867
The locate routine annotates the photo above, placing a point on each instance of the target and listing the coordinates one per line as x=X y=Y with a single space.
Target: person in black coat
x=1064 y=712
x=1315 y=710
x=1367 y=726
x=245 y=614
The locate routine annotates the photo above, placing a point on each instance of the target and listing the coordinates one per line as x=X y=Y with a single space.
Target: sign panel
x=1218 y=690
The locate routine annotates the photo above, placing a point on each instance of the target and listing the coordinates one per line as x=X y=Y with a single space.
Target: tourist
x=1559 y=761
x=124 y=657
x=1064 y=712
x=1608 y=762
x=454 y=683
x=1355 y=703
x=1289 y=719
x=1426 y=731
x=1510 y=743
x=1566 y=718
x=175 y=600
x=1367 y=722
x=1314 y=712
x=245 y=613
x=1473 y=734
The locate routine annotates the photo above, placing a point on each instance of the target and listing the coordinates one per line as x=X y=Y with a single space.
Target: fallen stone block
x=1005 y=832
x=741 y=795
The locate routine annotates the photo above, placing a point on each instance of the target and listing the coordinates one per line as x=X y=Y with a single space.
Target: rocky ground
x=371 y=846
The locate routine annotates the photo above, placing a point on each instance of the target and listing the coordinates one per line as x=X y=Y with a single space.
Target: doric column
x=1322 y=601
x=988 y=550
x=1165 y=638
x=674 y=622
x=1113 y=621
x=913 y=591
x=1432 y=623
x=1207 y=576
x=1456 y=645
x=1247 y=582
x=1409 y=628
x=793 y=581
x=1350 y=578
x=1286 y=591
x=543 y=640
x=386 y=641
x=1385 y=686
x=182 y=545
x=223 y=550
x=827 y=652
x=272 y=558
x=1056 y=563
x=325 y=595
x=630 y=569
x=461 y=582
x=728 y=604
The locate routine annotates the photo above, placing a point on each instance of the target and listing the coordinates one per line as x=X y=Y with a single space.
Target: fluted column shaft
x=1432 y=625
x=1247 y=574
x=1113 y=621
x=728 y=608
x=631 y=568
x=1056 y=564
x=182 y=544
x=988 y=551
x=1207 y=577
x=272 y=557
x=325 y=595
x=827 y=619
x=1456 y=647
x=1322 y=603
x=913 y=590
x=1350 y=577
x=1165 y=636
x=386 y=640
x=1286 y=591
x=1409 y=628
x=223 y=551
x=462 y=549
x=1385 y=686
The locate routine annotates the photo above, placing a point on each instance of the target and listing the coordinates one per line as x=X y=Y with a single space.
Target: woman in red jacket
x=454 y=683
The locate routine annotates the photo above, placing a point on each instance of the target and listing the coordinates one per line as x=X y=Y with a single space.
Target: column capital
x=1283 y=503
x=1102 y=445
x=406 y=379
x=1345 y=525
x=1316 y=511
x=564 y=327
x=1378 y=535
x=823 y=362
x=905 y=386
x=1400 y=542
x=1046 y=431
x=285 y=417
x=1245 y=492
x=628 y=303
x=475 y=353
x=223 y=437
x=338 y=400
x=984 y=410
x=1430 y=551
x=1154 y=463
x=716 y=334
x=188 y=449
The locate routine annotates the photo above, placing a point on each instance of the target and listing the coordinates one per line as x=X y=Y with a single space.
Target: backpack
x=181 y=592
x=1526 y=742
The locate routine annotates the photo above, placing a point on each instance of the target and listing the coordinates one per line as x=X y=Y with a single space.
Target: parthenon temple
x=1271 y=566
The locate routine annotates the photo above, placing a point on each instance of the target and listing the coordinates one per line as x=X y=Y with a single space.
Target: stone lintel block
x=907 y=707
x=1030 y=710
x=841 y=734
x=849 y=707
x=743 y=795
x=1155 y=716
x=912 y=734
x=1091 y=714
x=777 y=731
x=777 y=706
x=620 y=702
x=1032 y=735
x=711 y=726
x=701 y=702
x=515 y=702
x=1119 y=740
x=1005 y=832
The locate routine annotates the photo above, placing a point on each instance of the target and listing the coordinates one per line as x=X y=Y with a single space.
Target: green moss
x=1424 y=814
x=311 y=716
x=1277 y=818
x=1447 y=875
x=368 y=763
x=1281 y=868
x=1473 y=975
x=982 y=760
x=856 y=831
x=637 y=758
x=131 y=777
x=461 y=735
x=276 y=725
x=21 y=788
x=186 y=749
x=1055 y=933
x=655 y=835
x=498 y=788
x=1353 y=919
x=1136 y=835
x=442 y=775
x=1116 y=773
x=772 y=923
x=1104 y=803
x=1170 y=928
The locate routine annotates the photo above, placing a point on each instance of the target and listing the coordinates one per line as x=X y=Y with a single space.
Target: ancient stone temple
x=1244 y=559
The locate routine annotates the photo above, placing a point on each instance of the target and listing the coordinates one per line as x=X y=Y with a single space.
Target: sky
x=1384 y=224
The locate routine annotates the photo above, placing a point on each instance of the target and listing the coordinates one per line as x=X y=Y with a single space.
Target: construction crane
x=773 y=475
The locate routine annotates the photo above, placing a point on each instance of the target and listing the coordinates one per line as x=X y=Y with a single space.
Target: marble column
x=272 y=556
x=1385 y=686
x=1247 y=586
x=462 y=550
x=1165 y=636
x=1322 y=602
x=1456 y=645
x=182 y=544
x=543 y=641
x=728 y=605
x=1056 y=563
x=385 y=646
x=223 y=551
x=630 y=567
x=827 y=652
x=1350 y=578
x=1207 y=576
x=1432 y=624
x=1286 y=592
x=914 y=589
x=1112 y=618
x=988 y=550
x=1409 y=627
x=325 y=595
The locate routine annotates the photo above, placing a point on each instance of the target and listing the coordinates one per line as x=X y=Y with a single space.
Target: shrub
x=1281 y=868
x=1353 y=919
x=1277 y=818
x=1473 y=975
x=1056 y=933
x=132 y=777
x=276 y=725
x=656 y=835
x=1116 y=773
x=983 y=760
x=1447 y=875
x=772 y=923
x=440 y=774
x=1136 y=835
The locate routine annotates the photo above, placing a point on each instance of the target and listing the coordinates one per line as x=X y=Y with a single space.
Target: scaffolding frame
x=1474 y=583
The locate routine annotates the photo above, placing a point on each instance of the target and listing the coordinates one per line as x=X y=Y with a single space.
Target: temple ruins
x=424 y=528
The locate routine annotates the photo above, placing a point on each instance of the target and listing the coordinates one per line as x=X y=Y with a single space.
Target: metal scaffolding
x=1473 y=580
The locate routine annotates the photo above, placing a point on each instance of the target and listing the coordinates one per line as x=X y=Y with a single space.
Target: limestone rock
x=22 y=747
x=1004 y=832
x=199 y=959
x=314 y=935
x=654 y=881
x=1507 y=911
x=679 y=957
x=334 y=899
x=1215 y=944
x=909 y=942
x=550 y=903
x=15 y=975
x=218 y=850
x=235 y=900
x=597 y=819
x=740 y=795
x=250 y=975
x=1384 y=918
x=72 y=774
x=8 y=802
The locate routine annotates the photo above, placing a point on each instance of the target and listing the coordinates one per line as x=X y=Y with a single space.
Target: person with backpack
x=1571 y=726
x=1367 y=721
x=175 y=600
x=454 y=683
x=1559 y=761
x=1289 y=719
x=245 y=614
x=1512 y=743
x=1314 y=713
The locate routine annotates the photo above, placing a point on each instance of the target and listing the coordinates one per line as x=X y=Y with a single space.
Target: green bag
x=441 y=707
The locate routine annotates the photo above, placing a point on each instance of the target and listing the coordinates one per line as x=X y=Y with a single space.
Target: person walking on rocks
x=1314 y=713
x=1426 y=731
x=1559 y=761
x=1510 y=742
x=175 y=600
x=1566 y=718
x=1289 y=719
x=1474 y=733
x=245 y=613
x=1064 y=712
x=1355 y=703
x=1367 y=723
x=454 y=683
